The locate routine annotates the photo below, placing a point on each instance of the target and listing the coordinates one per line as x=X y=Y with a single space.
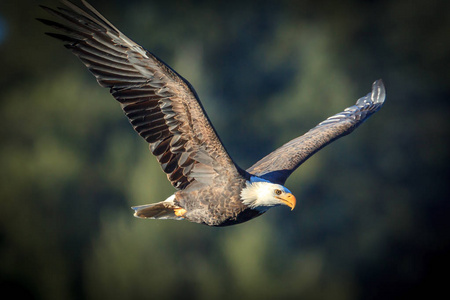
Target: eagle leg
x=179 y=212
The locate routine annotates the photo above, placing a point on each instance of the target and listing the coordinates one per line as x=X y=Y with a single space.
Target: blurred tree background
x=372 y=220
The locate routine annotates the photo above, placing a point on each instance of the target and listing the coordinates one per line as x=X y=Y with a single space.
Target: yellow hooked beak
x=288 y=199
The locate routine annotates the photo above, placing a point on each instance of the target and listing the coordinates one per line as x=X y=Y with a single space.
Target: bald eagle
x=165 y=110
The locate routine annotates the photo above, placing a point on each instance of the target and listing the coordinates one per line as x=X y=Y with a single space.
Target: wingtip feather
x=375 y=99
x=378 y=92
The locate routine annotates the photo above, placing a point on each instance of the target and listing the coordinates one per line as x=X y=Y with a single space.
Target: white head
x=261 y=195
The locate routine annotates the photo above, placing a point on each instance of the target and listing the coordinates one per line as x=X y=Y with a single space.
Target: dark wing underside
x=160 y=105
x=278 y=165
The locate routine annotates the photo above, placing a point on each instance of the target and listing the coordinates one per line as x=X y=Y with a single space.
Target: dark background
x=372 y=220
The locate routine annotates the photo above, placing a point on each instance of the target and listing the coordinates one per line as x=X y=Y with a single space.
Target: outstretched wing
x=161 y=105
x=278 y=165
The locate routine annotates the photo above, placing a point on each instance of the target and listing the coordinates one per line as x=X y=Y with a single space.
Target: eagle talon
x=179 y=212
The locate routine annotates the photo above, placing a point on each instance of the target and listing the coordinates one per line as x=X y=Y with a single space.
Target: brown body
x=216 y=205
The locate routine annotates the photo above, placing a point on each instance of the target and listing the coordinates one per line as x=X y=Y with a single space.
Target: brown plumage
x=278 y=165
x=164 y=109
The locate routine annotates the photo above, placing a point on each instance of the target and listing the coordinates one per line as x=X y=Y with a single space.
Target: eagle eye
x=278 y=192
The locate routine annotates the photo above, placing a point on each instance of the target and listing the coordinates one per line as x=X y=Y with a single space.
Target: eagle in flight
x=165 y=110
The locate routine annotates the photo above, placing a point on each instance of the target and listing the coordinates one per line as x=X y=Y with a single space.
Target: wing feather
x=278 y=165
x=162 y=107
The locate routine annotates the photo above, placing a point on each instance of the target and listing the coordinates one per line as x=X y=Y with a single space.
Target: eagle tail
x=161 y=210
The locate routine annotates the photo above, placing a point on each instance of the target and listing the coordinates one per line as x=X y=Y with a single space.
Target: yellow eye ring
x=278 y=192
